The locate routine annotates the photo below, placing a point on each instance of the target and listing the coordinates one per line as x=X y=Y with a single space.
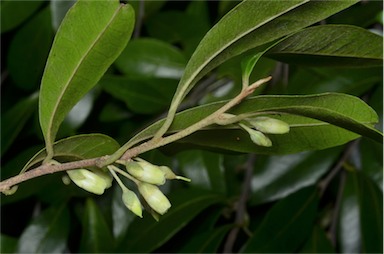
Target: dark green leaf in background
x=8 y=244
x=96 y=235
x=287 y=224
x=14 y=120
x=318 y=242
x=150 y=58
x=29 y=50
x=13 y=13
x=145 y=235
x=331 y=45
x=47 y=233
x=79 y=57
x=147 y=96
x=275 y=177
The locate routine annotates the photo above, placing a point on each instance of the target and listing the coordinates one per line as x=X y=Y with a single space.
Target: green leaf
x=206 y=242
x=317 y=122
x=145 y=235
x=78 y=147
x=58 y=9
x=205 y=168
x=7 y=244
x=147 y=96
x=89 y=39
x=248 y=25
x=275 y=177
x=29 y=50
x=361 y=215
x=14 y=120
x=150 y=58
x=287 y=224
x=47 y=233
x=13 y=13
x=318 y=243
x=96 y=235
x=331 y=45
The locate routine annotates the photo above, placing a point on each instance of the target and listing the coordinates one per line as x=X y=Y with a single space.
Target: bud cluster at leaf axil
x=257 y=127
x=145 y=175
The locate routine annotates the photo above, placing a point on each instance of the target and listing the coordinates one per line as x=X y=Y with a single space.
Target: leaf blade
x=74 y=68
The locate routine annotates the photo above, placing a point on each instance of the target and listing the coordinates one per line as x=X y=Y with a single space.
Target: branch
x=126 y=152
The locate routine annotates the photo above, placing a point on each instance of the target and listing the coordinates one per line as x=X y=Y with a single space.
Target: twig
x=241 y=205
x=139 y=20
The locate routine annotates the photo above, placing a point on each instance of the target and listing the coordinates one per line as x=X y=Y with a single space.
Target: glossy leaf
x=78 y=147
x=147 y=96
x=47 y=233
x=276 y=177
x=205 y=168
x=318 y=243
x=29 y=50
x=206 y=242
x=287 y=224
x=331 y=45
x=79 y=56
x=14 y=13
x=361 y=220
x=15 y=119
x=311 y=117
x=146 y=235
x=248 y=25
x=96 y=235
x=150 y=58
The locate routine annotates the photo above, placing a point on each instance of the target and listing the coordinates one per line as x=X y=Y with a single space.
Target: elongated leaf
x=77 y=148
x=251 y=24
x=58 y=9
x=89 y=39
x=13 y=13
x=150 y=58
x=286 y=226
x=7 y=244
x=334 y=111
x=146 y=235
x=96 y=235
x=318 y=243
x=331 y=45
x=278 y=176
x=15 y=119
x=47 y=233
x=29 y=50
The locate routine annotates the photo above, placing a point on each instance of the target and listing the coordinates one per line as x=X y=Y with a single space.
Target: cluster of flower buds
x=147 y=178
x=257 y=127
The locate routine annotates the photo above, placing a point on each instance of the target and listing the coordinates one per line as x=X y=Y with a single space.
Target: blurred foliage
x=309 y=202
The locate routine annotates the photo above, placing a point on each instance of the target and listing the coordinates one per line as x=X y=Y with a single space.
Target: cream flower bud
x=132 y=202
x=269 y=125
x=88 y=180
x=154 y=197
x=105 y=175
x=225 y=119
x=170 y=175
x=146 y=172
x=257 y=137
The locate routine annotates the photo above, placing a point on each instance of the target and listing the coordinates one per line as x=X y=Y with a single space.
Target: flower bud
x=224 y=119
x=132 y=202
x=105 y=175
x=154 y=197
x=170 y=175
x=269 y=125
x=146 y=172
x=88 y=180
x=257 y=137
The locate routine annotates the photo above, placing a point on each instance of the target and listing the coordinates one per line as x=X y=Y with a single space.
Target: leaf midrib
x=87 y=53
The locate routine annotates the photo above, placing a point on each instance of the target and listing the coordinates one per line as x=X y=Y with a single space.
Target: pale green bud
x=88 y=180
x=154 y=197
x=146 y=172
x=225 y=119
x=257 y=137
x=170 y=175
x=132 y=202
x=107 y=177
x=11 y=191
x=269 y=125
